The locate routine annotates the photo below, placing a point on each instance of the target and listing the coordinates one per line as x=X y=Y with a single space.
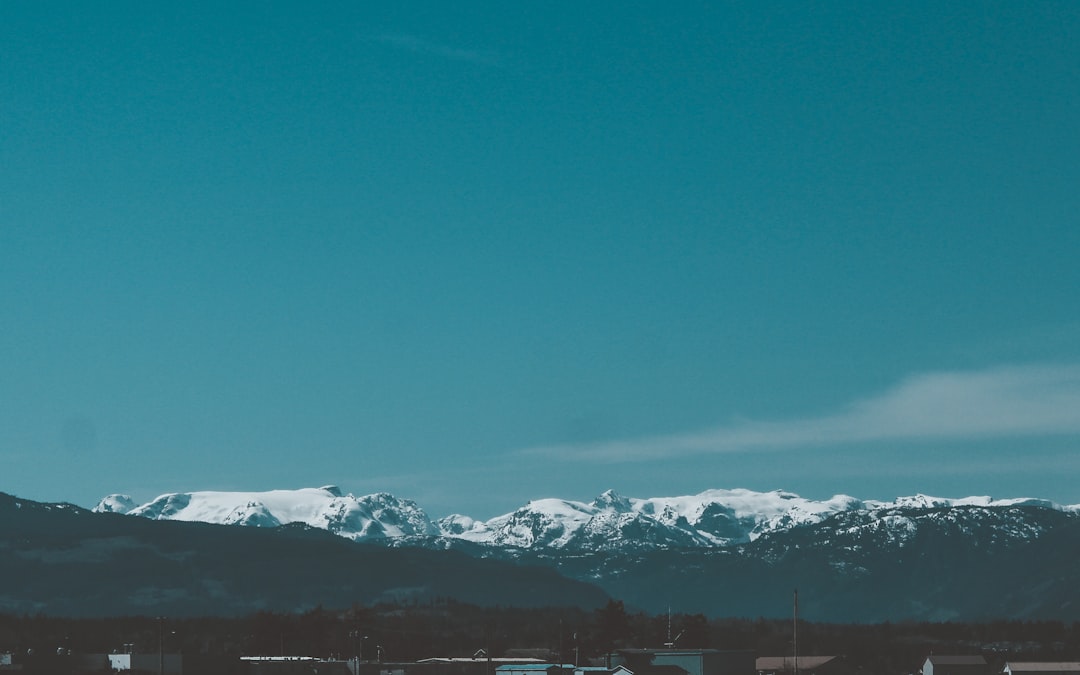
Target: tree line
x=443 y=627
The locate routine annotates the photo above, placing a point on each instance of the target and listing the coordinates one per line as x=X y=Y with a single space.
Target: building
x=293 y=665
x=600 y=670
x=1041 y=668
x=804 y=665
x=478 y=664
x=7 y=664
x=688 y=661
x=481 y=657
x=172 y=664
x=955 y=665
x=533 y=669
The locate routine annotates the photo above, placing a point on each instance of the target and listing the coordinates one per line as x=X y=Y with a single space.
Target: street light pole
x=358 y=649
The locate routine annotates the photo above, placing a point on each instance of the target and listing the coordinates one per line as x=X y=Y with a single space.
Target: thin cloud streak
x=999 y=402
x=420 y=46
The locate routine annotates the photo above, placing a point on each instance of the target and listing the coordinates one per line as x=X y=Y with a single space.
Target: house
x=804 y=665
x=689 y=661
x=168 y=664
x=481 y=657
x=600 y=670
x=478 y=664
x=8 y=664
x=1041 y=668
x=293 y=665
x=533 y=669
x=955 y=665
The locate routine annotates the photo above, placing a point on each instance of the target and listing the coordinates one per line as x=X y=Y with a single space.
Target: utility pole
x=795 y=634
x=358 y=649
x=161 y=645
x=562 y=659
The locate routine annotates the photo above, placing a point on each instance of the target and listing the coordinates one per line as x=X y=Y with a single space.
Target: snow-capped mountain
x=369 y=517
x=941 y=562
x=116 y=504
x=611 y=522
x=69 y=562
x=723 y=552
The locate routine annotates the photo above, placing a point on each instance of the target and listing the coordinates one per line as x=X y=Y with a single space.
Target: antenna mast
x=795 y=634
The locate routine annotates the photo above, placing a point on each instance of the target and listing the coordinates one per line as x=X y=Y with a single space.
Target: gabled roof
x=664 y=669
x=673 y=652
x=772 y=663
x=481 y=659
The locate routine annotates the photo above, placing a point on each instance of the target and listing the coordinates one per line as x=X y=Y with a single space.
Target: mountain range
x=727 y=552
x=62 y=560
x=610 y=523
x=720 y=553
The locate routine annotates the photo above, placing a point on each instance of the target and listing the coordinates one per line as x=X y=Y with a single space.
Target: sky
x=475 y=254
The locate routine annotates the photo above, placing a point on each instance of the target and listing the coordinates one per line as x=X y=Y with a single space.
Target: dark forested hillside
x=900 y=564
x=933 y=564
x=63 y=560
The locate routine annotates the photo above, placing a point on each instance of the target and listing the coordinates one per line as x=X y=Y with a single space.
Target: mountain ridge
x=917 y=558
x=710 y=519
x=70 y=561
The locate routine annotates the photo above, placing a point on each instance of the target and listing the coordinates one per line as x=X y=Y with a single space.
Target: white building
x=1042 y=668
x=955 y=665
x=151 y=663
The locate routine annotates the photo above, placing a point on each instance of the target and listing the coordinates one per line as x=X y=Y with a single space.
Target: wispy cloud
x=999 y=402
x=421 y=46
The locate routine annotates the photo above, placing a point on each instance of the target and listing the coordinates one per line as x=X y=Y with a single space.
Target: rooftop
x=788 y=662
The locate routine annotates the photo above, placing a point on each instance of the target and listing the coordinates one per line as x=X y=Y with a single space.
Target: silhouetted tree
x=695 y=632
x=612 y=626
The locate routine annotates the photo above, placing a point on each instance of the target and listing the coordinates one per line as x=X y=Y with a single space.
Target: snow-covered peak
x=380 y=515
x=115 y=504
x=921 y=501
x=613 y=500
x=543 y=522
x=332 y=489
x=710 y=518
x=732 y=516
x=610 y=522
x=456 y=524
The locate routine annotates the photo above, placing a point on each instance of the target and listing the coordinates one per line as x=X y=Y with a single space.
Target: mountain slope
x=70 y=561
x=738 y=552
x=369 y=517
x=960 y=562
x=611 y=522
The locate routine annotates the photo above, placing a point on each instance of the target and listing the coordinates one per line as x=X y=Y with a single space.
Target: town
x=452 y=639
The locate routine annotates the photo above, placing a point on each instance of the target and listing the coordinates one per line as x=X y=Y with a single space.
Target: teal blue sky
x=475 y=254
